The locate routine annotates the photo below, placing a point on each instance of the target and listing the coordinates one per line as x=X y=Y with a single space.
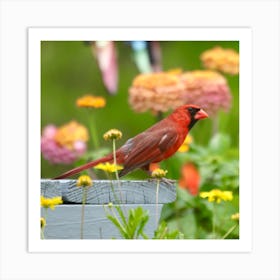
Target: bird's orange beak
x=201 y=114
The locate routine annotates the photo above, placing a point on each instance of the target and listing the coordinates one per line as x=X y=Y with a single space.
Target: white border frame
x=262 y=16
x=243 y=35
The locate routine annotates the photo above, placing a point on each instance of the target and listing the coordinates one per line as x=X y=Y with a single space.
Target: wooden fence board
x=105 y=191
x=64 y=222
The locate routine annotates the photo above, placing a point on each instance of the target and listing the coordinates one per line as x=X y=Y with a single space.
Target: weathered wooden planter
x=64 y=222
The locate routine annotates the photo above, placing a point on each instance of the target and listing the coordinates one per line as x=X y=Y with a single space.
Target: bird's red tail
x=84 y=167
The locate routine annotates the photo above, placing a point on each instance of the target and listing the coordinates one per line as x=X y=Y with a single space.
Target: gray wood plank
x=105 y=191
x=64 y=222
x=50 y=189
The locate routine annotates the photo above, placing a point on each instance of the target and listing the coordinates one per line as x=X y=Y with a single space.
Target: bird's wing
x=148 y=147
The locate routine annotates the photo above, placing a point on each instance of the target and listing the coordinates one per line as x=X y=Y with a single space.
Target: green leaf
x=131 y=227
x=219 y=143
x=121 y=214
x=118 y=225
x=163 y=232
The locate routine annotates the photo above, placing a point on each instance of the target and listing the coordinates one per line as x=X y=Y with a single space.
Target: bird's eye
x=193 y=110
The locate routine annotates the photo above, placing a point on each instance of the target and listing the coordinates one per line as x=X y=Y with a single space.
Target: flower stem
x=116 y=172
x=46 y=213
x=215 y=125
x=214 y=221
x=43 y=228
x=42 y=233
x=93 y=131
x=117 y=219
x=115 y=158
x=157 y=202
x=83 y=211
x=229 y=231
x=159 y=116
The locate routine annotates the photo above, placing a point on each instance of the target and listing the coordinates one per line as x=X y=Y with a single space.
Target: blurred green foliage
x=218 y=167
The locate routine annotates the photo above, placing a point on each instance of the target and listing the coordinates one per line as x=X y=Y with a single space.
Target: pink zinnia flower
x=64 y=145
x=207 y=89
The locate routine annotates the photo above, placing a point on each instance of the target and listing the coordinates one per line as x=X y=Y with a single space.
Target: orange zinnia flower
x=158 y=92
x=190 y=178
x=224 y=60
x=90 y=101
x=69 y=133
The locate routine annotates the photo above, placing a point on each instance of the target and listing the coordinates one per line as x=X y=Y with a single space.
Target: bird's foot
x=164 y=180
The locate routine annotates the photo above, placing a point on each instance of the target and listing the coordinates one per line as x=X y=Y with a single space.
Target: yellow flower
x=186 y=145
x=216 y=195
x=84 y=181
x=43 y=222
x=159 y=173
x=51 y=202
x=90 y=101
x=235 y=216
x=110 y=205
x=108 y=167
x=225 y=60
x=70 y=133
x=112 y=134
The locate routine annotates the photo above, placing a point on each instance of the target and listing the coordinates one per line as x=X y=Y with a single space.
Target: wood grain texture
x=50 y=189
x=64 y=222
x=105 y=191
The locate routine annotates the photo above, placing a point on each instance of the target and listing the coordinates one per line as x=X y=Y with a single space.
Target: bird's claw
x=164 y=180
x=168 y=181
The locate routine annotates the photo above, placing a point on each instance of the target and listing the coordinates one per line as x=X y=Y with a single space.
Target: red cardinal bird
x=153 y=145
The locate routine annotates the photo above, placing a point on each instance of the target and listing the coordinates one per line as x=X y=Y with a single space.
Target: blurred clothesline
x=146 y=54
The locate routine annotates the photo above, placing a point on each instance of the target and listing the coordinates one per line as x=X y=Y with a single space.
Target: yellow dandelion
x=235 y=217
x=216 y=195
x=90 y=101
x=51 y=202
x=186 y=144
x=108 y=167
x=112 y=134
x=159 y=173
x=84 y=181
x=43 y=222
